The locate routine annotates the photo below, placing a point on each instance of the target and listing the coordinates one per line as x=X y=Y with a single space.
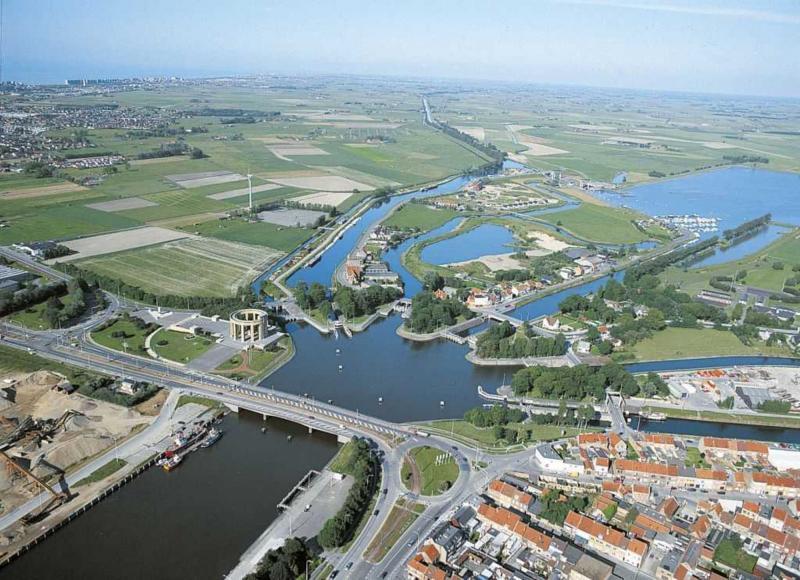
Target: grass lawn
x=599 y=224
x=425 y=218
x=102 y=472
x=463 y=430
x=438 y=469
x=690 y=343
x=254 y=363
x=205 y=401
x=729 y=552
x=695 y=459
x=400 y=519
x=342 y=463
x=179 y=347
x=280 y=238
x=134 y=337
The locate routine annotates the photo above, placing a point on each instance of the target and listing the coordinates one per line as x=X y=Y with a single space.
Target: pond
x=485 y=240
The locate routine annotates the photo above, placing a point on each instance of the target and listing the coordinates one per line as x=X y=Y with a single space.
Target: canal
x=193 y=522
x=196 y=521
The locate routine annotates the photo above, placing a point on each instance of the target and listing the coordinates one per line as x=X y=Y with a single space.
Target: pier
x=300 y=487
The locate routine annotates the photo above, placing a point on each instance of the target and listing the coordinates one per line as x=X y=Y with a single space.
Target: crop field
x=190 y=267
x=61 y=223
x=119 y=241
x=280 y=238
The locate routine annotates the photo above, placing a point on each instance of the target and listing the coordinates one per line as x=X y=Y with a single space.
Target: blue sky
x=702 y=45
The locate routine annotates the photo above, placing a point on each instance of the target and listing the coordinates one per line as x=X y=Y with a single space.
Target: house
x=605 y=539
x=509 y=496
x=127 y=387
x=353 y=272
x=551 y=323
x=35 y=249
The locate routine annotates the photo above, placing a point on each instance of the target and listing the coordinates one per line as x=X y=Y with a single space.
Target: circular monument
x=248 y=325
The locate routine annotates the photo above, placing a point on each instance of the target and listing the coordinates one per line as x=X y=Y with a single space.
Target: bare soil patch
x=203 y=178
x=122 y=204
x=243 y=191
x=334 y=198
x=41 y=191
x=119 y=241
x=323 y=183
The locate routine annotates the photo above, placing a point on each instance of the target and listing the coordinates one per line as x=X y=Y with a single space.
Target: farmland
x=191 y=267
x=281 y=238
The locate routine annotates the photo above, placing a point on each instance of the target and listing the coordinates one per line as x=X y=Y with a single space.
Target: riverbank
x=755 y=419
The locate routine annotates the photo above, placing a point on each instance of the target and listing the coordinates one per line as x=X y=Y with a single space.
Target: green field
x=597 y=223
x=690 y=343
x=178 y=346
x=416 y=215
x=758 y=267
x=195 y=267
x=438 y=469
x=259 y=233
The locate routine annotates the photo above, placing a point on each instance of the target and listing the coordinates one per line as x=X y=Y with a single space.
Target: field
x=178 y=346
x=315 y=152
x=596 y=223
x=280 y=238
x=190 y=267
x=758 y=267
x=437 y=469
x=690 y=343
x=333 y=198
x=119 y=241
x=663 y=134
x=425 y=218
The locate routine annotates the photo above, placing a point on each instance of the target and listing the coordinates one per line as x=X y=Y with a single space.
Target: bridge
x=236 y=395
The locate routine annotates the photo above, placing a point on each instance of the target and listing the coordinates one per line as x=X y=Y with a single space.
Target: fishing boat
x=172 y=462
x=212 y=437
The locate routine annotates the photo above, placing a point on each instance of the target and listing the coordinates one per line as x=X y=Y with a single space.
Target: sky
x=710 y=46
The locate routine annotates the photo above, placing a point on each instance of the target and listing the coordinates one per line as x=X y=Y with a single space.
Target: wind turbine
x=250 y=190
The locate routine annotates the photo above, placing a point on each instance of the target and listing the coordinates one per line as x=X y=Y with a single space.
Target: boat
x=212 y=437
x=172 y=462
x=654 y=416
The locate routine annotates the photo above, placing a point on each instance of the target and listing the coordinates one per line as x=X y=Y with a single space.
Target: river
x=193 y=522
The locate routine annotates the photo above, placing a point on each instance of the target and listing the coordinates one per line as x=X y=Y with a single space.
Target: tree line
x=365 y=468
x=578 y=383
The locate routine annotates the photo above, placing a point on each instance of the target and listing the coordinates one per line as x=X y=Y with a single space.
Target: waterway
x=734 y=195
x=193 y=522
x=196 y=521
